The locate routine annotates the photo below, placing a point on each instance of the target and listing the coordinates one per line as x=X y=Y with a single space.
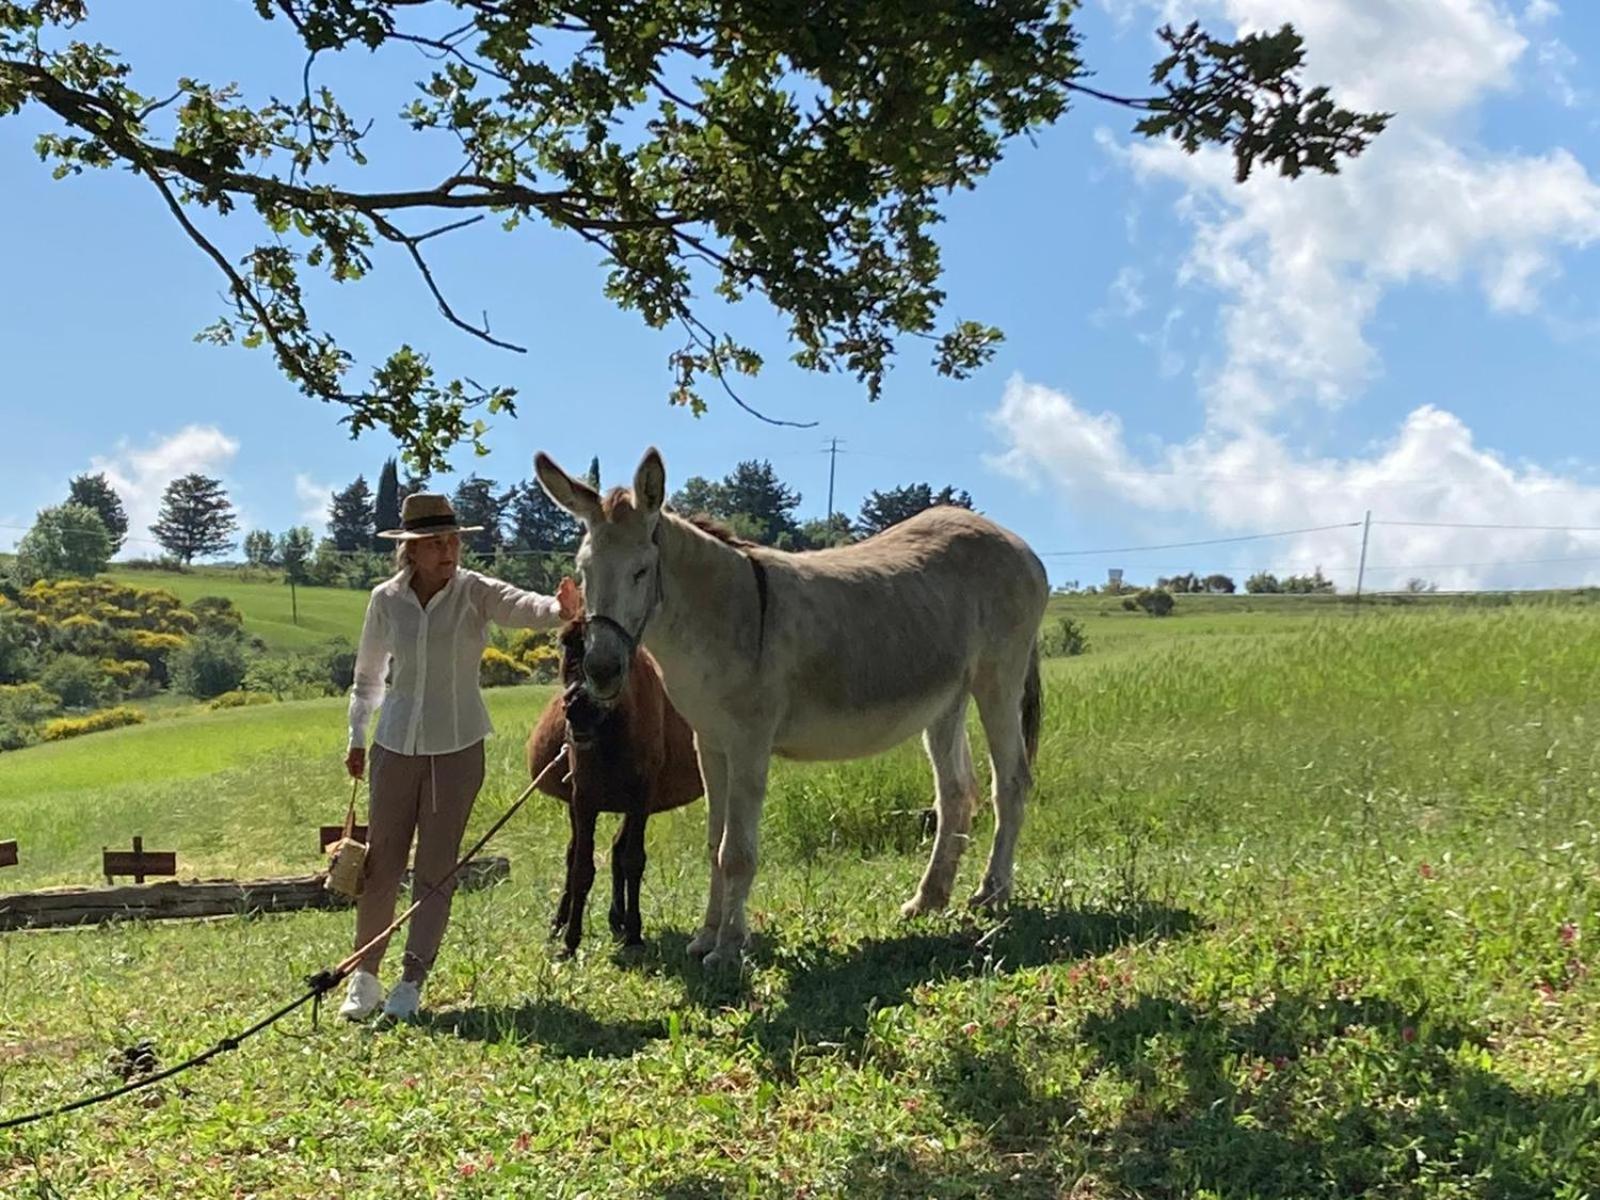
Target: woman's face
x=436 y=557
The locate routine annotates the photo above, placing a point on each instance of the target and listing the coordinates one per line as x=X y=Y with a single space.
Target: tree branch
x=1137 y=103
x=411 y=243
x=244 y=295
x=94 y=116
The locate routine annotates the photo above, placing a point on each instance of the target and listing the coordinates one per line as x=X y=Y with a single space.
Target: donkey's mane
x=619 y=502
x=718 y=530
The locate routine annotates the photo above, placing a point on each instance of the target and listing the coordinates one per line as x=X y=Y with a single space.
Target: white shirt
x=433 y=705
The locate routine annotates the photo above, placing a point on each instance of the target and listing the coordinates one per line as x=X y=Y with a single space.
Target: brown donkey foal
x=633 y=756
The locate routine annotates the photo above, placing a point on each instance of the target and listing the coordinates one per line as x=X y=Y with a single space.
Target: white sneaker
x=403 y=1001
x=363 y=995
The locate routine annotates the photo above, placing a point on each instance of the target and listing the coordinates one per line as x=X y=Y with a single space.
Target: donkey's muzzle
x=585 y=714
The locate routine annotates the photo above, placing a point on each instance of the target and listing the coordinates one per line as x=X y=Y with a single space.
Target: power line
x=1504 y=562
x=1488 y=525
x=1246 y=537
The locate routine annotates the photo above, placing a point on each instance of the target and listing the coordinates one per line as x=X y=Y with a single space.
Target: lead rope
x=317 y=985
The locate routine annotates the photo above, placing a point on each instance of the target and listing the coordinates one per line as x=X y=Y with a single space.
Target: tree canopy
x=69 y=539
x=799 y=153
x=95 y=491
x=882 y=509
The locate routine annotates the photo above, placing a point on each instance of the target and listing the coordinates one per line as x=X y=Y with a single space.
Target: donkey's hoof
x=990 y=897
x=921 y=903
x=723 y=958
x=702 y=943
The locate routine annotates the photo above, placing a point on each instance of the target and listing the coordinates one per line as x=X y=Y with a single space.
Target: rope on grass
x=317 y=985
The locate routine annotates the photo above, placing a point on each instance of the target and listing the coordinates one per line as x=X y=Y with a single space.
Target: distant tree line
x=525 y=538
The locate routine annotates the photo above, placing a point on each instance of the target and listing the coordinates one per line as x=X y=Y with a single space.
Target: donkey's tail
x=1032 y=704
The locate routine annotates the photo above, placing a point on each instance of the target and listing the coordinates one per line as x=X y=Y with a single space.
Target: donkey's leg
x=619 y=872
x=999 y=695
x=747 y=792
x=582 y=873
x=564 y=908
x=633 y=859
x=714 y=774
x=955 y=788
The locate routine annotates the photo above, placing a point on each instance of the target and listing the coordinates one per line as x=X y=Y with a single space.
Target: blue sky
x=1185 y=359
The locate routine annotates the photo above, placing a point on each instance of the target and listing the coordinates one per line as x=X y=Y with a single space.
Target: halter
x=632 y=638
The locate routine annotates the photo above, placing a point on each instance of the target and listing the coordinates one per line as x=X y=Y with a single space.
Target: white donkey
x=828 y=654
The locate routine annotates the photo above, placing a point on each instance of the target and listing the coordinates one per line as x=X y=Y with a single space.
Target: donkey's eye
x=638 y=576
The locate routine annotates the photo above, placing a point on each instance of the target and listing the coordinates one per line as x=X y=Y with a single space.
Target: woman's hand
x=356 y=761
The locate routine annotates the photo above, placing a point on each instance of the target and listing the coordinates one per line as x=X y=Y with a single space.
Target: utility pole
x=1361 y=571
x=833 y=459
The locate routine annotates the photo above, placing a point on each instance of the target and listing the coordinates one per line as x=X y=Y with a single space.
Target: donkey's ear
x=650 y=482
x=570 y=598
x=578 y=498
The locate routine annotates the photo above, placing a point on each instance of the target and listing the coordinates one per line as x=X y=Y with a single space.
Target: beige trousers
x=430 y=796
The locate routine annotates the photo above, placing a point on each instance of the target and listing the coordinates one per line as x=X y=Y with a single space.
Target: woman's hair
x=402 y=551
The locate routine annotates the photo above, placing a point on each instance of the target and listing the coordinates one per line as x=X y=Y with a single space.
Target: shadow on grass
x=831 y=990
x=1311 y=1097
x=1339 y=1097
x=698 y=1187
x=558 y=1029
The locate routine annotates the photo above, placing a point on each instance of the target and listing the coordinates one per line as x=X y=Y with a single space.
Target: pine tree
x=883 y=509
x=95 y=491
x=476 y=503
x=386 y=509
x=753 y=490
x=533 y=521
x=196 y=518
x=350 y=517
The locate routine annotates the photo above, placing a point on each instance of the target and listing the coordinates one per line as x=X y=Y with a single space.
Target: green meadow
x=1308 y=906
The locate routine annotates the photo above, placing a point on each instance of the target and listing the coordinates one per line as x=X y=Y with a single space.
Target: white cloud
x=1430 y=470
x=1300 y=269
x=1124 y=298
x=1419 y=59
x=1302 y=265
x=141 y=475
x=1540 y=12
x=313 y=498
x=1557 y=62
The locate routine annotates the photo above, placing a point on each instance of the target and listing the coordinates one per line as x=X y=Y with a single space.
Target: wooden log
x=175 y=899
x=8 y=853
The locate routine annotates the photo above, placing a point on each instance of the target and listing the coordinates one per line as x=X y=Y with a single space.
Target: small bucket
x=347 y=858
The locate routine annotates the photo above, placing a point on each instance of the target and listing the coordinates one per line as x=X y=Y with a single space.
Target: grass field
x=324 y=612
x=1308 y=906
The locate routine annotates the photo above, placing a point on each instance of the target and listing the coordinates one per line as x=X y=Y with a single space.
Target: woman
x=431 y=622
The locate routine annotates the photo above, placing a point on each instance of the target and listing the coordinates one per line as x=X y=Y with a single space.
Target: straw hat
x=425 y=515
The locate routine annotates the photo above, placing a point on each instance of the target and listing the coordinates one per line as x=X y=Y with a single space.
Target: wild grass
x=1308 y=911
